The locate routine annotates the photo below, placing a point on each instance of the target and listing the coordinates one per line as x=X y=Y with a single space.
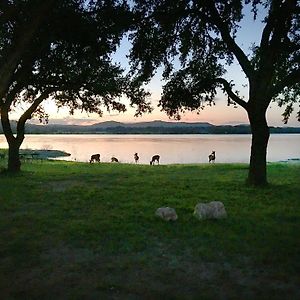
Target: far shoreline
x=142 y=133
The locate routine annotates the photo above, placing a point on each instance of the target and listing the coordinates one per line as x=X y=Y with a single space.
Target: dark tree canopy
x=66 y=53
x=202 y=36
x=62 y=50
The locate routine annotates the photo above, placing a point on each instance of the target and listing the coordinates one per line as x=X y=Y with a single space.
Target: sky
x=218 y=114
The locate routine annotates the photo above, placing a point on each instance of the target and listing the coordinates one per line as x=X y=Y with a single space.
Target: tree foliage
x=66 y=54
x=62 y=50
x=201 y=35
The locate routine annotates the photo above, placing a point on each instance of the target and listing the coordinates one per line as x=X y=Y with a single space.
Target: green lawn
x=81 y=231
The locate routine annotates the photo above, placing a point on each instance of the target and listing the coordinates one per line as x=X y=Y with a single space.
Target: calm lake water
x=181 y=149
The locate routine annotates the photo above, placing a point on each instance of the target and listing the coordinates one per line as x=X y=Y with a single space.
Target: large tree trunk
x=14 y=163
x=14 y=143
x=257 y=175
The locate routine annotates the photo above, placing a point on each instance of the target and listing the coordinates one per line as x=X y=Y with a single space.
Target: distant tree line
x=74 y=129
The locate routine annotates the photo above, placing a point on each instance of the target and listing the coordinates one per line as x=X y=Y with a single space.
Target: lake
x=182 y=149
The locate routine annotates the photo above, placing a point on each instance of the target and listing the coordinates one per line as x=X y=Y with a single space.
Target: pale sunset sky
x=248 y=34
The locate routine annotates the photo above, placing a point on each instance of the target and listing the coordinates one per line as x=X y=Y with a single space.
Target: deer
x=136 y=158
x=95 y=158
x=155 y=158
x=114 y=159
x=212 y=157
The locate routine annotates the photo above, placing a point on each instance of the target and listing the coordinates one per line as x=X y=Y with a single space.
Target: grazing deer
x=136 y=158
x=212 y=157
x=95 y=158
x=114 y=159
x=155 y=158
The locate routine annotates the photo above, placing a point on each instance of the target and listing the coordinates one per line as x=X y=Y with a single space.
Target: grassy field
x=81 y=231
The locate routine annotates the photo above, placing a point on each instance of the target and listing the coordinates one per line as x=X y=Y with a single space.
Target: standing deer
x=212 y=157
x=136 y=158
x=114 y=159
x=155 y=158
x=95 y=158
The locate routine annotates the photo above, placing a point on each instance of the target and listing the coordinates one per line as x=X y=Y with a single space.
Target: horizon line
x=237 y=123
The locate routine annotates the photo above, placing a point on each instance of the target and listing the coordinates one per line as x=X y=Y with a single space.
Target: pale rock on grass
x=166 y=213
x=211 y=210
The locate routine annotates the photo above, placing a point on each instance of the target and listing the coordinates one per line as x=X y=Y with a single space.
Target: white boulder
x=166 y=213
x=211 y=210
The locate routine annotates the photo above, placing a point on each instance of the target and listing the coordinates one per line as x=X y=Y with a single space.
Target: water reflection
x=171 y=148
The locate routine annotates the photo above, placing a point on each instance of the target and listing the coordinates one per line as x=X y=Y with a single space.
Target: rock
x=211 y=210
x=166 y=213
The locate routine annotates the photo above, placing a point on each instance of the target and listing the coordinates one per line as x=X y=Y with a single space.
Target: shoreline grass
x=79 y=230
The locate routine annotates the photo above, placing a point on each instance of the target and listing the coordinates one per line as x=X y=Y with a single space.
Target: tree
x=202 y=35
x=61 y=50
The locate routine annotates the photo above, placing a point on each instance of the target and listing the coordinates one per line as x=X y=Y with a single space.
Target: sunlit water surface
x=182 y=149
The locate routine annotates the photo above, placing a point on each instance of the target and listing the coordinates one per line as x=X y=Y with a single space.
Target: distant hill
x=154 y=127
x=156 y=123
x=107 y=124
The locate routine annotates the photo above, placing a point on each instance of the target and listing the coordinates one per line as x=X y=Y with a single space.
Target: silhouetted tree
x=62 y=50
x=201 y=34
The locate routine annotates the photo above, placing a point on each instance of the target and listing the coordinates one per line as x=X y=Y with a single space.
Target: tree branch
x=231 y=94
x=6 y=125
x=275 y=39
x=269 y=25
x=28 y=113
x=232 y=45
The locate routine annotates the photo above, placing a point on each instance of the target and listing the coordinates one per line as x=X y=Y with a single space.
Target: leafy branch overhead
x=200 y=36
x=67 y=60
x=62 y=50
x=196 y=41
